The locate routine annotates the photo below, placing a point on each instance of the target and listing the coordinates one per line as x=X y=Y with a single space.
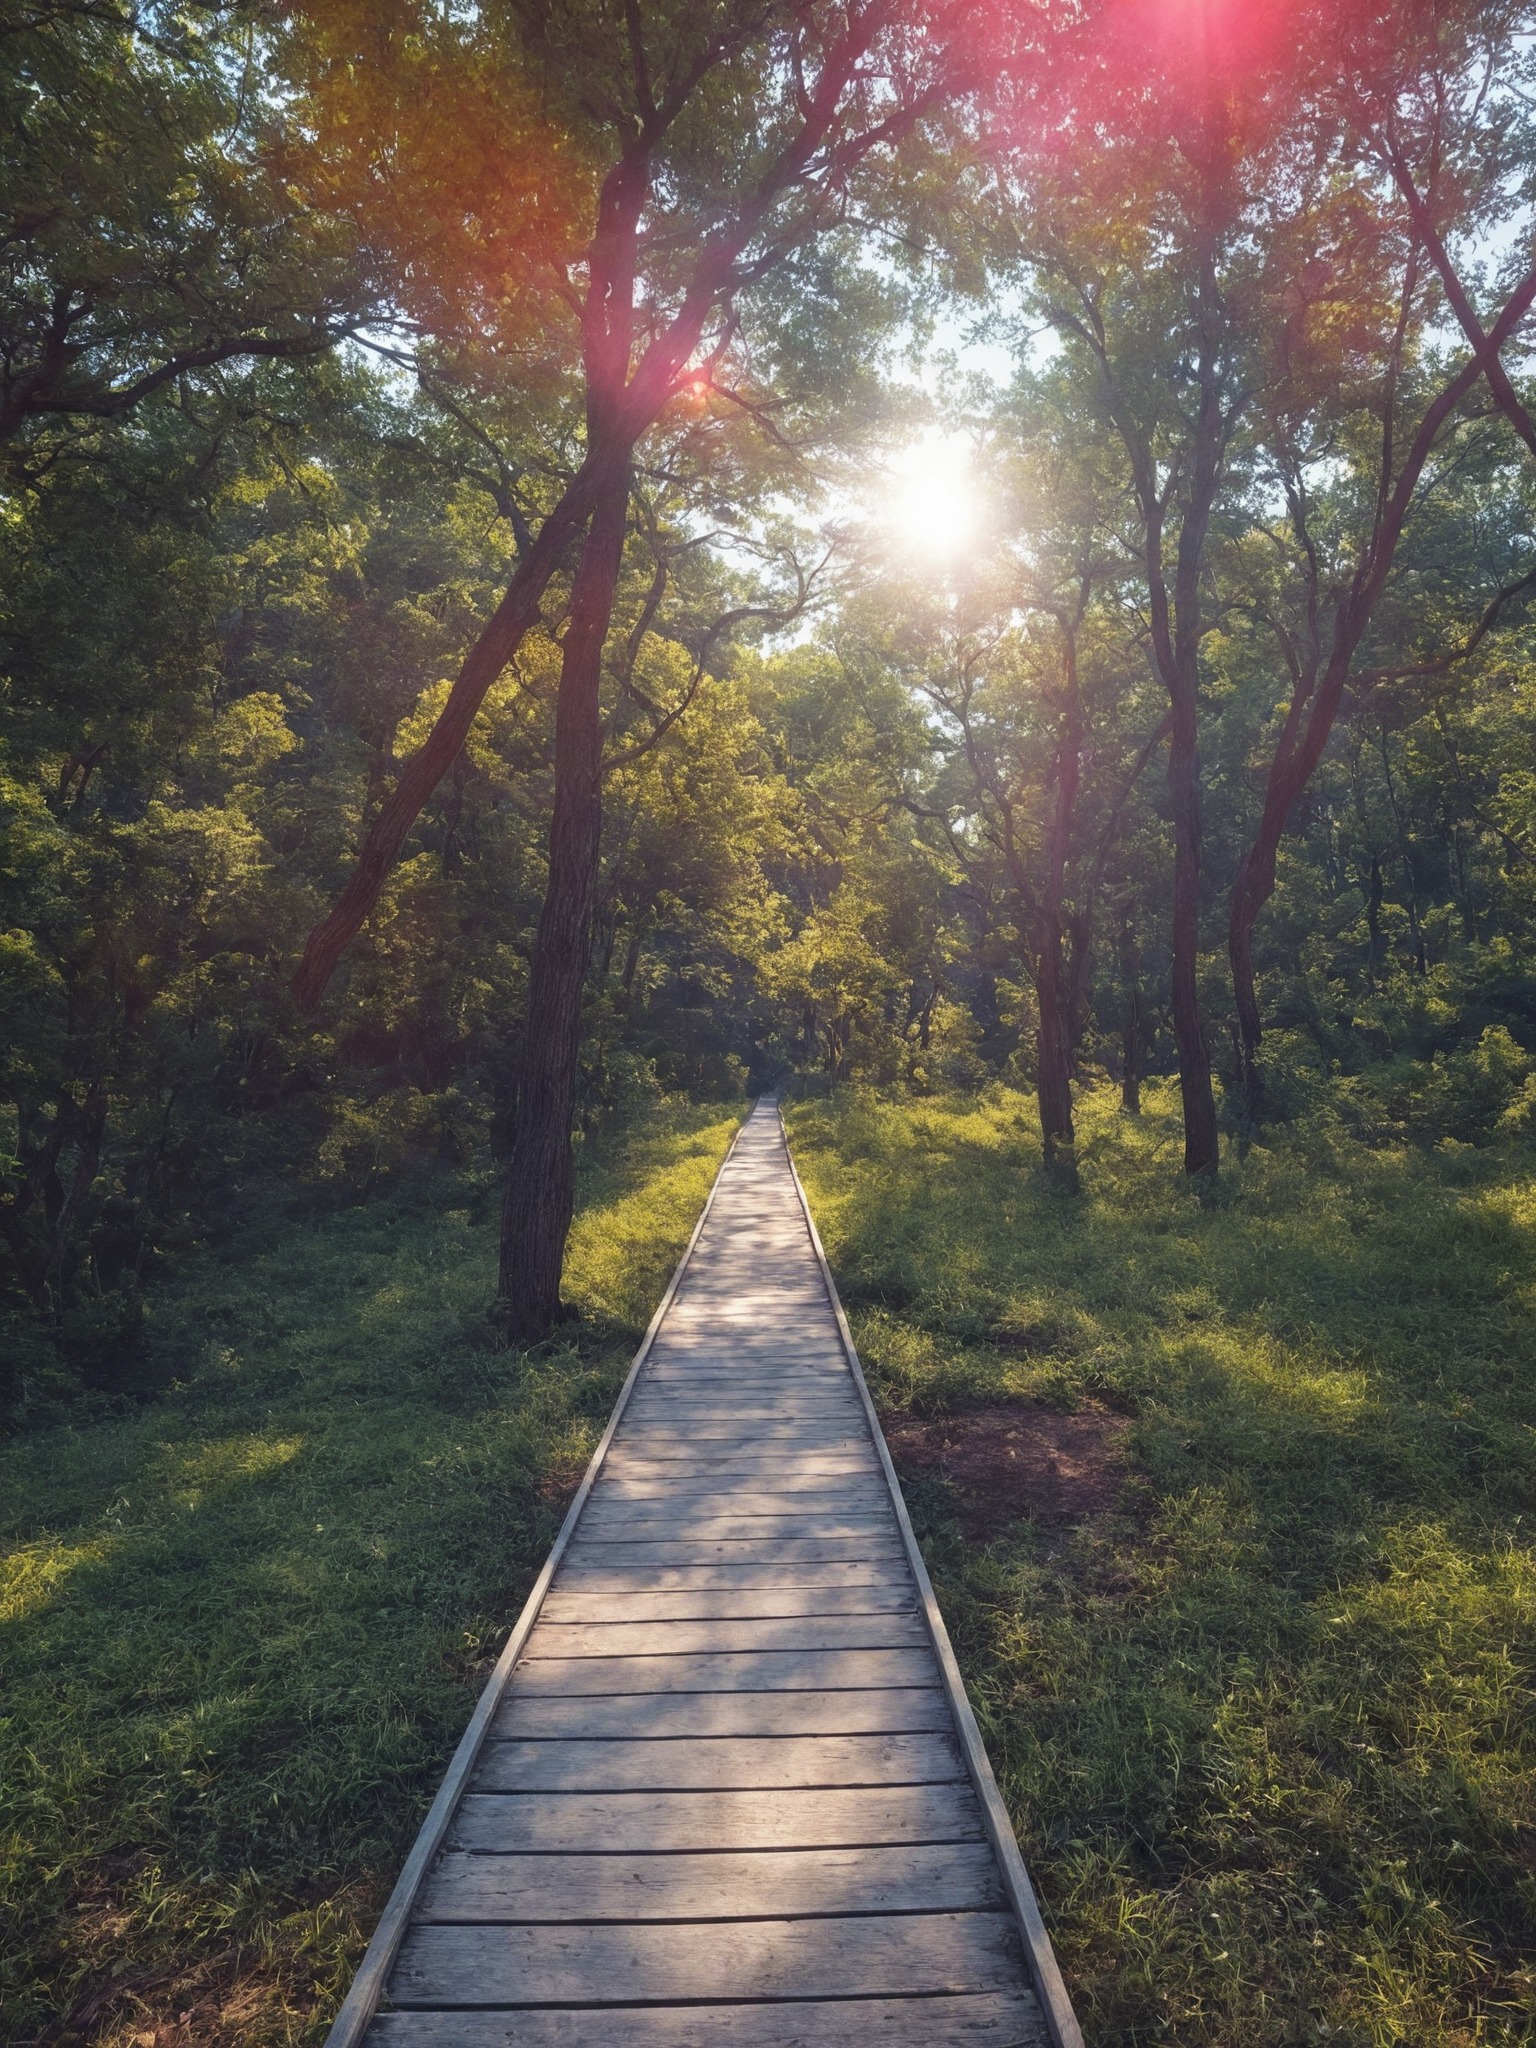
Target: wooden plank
x=691 y=1491
x=706 y=1524
x=727 y=1671
x=823 y=1441
x=563 y=1823
x=651 y=1502
x=683 y=1638
x=781 y=1550
x=676 y=1445
x=768 y=1439
x=777 y=1470
x=905 y=1711
x=911 y=1954
x=773 y=1404
x=734 y=1473
x=992 y=2019
x=683 y=1411
x=612 y=1575
x=786 y=1365
x=718 y=1763
x=676 y=1464
x=910 y=1877
x=723 y=1603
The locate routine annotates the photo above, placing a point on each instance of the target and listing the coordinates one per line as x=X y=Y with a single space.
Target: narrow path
x=725 y=1788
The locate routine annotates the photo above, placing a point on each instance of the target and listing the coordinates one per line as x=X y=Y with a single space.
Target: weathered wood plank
x=819 y=1517
x=764 y=1550
x=678 y=1638
x=914 y=1877
x=683 y=1477
x=689 y=1486
x=910 y=1954
x=727 y=1671
x=560 y=1823
x=675 y=1460
x=718 y=1763
x=775 y=1442
x=813 y=1435
x=682 y=1510
x=993 y=2019
x=784 y=1404
x=611 y=1575
x=725 y=1603
x=907 y=1711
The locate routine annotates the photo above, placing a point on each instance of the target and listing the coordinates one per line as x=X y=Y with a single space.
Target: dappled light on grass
x=244 y=1626
x=1265 y=1727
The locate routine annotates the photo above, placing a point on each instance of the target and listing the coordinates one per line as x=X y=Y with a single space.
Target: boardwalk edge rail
x=362 y=2000
x=1055 y=2005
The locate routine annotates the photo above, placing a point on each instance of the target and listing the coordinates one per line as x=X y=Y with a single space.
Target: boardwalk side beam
x=1051 y=1991
x=362 y=2001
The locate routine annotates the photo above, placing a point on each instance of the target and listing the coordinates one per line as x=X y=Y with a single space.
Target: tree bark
x=1054 y=1039
x=1202 y=1151
x=1131 y=1024
x=1053 y=1083
x=540 y=1186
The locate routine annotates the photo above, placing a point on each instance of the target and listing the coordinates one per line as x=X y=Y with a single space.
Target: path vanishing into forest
x=724 y=1786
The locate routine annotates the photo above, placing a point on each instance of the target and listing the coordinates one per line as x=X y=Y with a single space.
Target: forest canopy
x=555 y=555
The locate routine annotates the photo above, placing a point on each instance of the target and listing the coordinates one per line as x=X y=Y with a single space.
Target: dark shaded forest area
x=564 y=565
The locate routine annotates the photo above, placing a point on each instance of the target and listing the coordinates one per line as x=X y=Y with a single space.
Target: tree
x=1139 y=219
x=148 y=232
x=1358 y=378
x=733 y=134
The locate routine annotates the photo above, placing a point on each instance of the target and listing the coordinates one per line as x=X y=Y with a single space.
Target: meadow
x=242 y=1624
x=1264 y=1723
x=1257 y=1686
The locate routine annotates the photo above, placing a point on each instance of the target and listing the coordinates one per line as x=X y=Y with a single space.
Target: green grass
x=242 y=1628
x=1267 y=1733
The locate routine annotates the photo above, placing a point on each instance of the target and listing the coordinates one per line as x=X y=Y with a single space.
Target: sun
x=930 y=499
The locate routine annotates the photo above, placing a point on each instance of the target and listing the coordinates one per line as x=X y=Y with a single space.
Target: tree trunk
x=1053 y=1082
x=1131 y=1025
x=1202 y=1154
x=1253 y=888
x=540 y=1189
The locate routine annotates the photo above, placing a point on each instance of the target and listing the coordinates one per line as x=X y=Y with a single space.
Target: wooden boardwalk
x=725 y=1787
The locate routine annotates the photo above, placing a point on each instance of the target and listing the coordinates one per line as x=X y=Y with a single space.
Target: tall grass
x=1267 y=1731
x=242 y=1628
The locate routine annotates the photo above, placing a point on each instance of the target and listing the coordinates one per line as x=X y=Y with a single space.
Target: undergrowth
x=242 y=1626
x=1266 y=1730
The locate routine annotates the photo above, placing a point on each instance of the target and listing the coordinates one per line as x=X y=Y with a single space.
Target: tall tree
x=1358 y=376
x=734 y=135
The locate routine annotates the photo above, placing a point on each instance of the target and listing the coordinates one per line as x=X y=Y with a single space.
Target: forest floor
x=242 y=1626
x=1229 y=1507
x=1224 y=1503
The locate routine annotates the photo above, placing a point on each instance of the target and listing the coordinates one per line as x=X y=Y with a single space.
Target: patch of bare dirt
x=561 y=1478
x=214 y=2000
x=1014 y=1461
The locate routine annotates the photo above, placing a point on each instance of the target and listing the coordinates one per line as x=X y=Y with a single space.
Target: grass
x=1266 y=1730
x=242 y=1627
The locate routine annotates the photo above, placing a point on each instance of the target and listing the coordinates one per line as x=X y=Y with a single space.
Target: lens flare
x=930 y=503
